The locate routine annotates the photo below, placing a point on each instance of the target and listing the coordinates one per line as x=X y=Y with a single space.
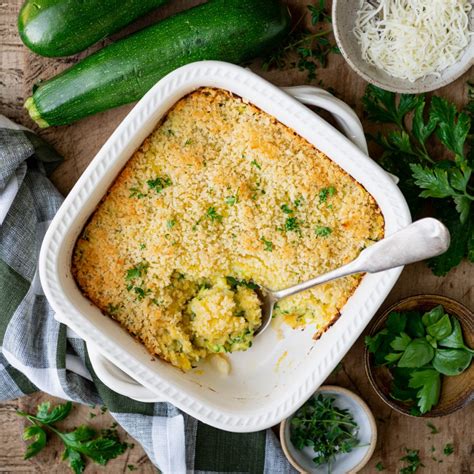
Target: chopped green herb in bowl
x=333 y=431
x=415 y=350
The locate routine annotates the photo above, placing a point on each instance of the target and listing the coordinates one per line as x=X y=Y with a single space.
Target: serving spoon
x=420 y=240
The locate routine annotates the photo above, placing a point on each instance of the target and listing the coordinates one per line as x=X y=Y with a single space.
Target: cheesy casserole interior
x=219 y=197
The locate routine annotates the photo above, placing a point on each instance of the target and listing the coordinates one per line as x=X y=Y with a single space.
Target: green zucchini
x=64 y=27
x=227 y=30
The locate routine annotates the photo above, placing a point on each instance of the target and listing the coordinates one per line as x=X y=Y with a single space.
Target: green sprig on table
x=419 y=348
x=82 y=442
x=406 y=153
x=326 y=428
x=306 y=50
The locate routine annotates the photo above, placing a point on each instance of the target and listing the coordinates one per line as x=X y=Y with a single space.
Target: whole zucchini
x=227 y=30
x=64 y=27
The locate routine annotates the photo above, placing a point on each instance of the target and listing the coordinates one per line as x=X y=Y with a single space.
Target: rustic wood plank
x=20 y=69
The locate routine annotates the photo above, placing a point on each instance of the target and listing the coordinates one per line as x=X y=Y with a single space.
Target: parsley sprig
x=304 y=49
x=326 y=428
x=407 y=152
x=83 y=442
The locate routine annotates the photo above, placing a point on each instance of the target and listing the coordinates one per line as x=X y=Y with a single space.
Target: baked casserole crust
x=219 y=197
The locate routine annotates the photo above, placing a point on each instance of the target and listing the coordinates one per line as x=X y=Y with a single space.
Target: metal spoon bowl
x=420 y=240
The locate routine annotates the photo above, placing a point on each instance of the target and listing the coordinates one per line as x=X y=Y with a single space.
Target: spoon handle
x=420 y=240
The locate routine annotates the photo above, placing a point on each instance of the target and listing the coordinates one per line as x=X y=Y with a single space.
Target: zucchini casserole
x=219 y=198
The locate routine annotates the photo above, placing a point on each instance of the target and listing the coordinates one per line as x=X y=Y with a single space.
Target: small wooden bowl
x=457 y=391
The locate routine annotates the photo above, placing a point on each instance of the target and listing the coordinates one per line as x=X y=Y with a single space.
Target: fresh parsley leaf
x=75 y=460
x=39 y=442
x=256 y=164
x=428 y=381
x=414 y=327
x=213 y=215
x=268 y=245
x=434 y=181
x=421 y=130
x=292 y=224
x=231 y=200
x=286 y=209
x=379 y=466
x=433 y=429
x=396 y=322
x=159 y=183
x=374 y=342
x=58 y=413
x=323 y=231
x=400 y=343
x=448 y=449
x=393 y=357
x=453 y=127
x=137 y=271
x=412 y=458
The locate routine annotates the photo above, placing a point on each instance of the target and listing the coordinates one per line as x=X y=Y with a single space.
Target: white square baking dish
x=284 y=367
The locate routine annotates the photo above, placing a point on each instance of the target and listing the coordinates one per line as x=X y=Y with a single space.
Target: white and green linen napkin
x=39 y=353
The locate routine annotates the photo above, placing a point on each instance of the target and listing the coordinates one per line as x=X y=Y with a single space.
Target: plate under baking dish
x=283 y=368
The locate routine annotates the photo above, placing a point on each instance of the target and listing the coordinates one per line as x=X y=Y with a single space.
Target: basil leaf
x=396 y=322
x=432 y=341
x=440 y=329
x=429 y=383
x=417 y=354
x=433 y=316
x=455 y=339
x=451 y=361
x=401 y=342
x=414 y=327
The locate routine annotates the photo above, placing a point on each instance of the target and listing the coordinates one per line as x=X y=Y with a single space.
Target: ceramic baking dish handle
x=117 y=380
x=344 y=115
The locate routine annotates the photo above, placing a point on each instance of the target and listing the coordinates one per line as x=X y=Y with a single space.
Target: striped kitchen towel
x=39 y=353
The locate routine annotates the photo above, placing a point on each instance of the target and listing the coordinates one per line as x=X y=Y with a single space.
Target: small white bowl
x=348 y=463
x=344 y=13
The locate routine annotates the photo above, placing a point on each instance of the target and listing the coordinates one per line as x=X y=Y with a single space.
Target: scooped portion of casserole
x=219 y=198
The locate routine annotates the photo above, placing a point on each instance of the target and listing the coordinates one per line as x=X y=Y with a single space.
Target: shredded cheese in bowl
x=410 y=39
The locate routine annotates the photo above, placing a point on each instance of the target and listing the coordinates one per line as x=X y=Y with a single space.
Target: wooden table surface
x=20 y=69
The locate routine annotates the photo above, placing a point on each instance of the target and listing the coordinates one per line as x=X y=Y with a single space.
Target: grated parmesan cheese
x=411 y=39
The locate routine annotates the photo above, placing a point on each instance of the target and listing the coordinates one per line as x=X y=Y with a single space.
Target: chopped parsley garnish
x=257 y=165
x=188 y=142
x=286 y=209
x=234 y=283
x=433 y=428
x=379 y=466
x=322 y=231
x=137 y=271
x=325 y=192
x=141 y=293
x=112 y=308
x=142 y=246
x=213 y=215
x=159 y=183
x=298 y=202
x=448 y=449
x=413 y=459
x=135 y=192
x=268 y=244
x=292 y=224
x=170 y=223
x=231 y=200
